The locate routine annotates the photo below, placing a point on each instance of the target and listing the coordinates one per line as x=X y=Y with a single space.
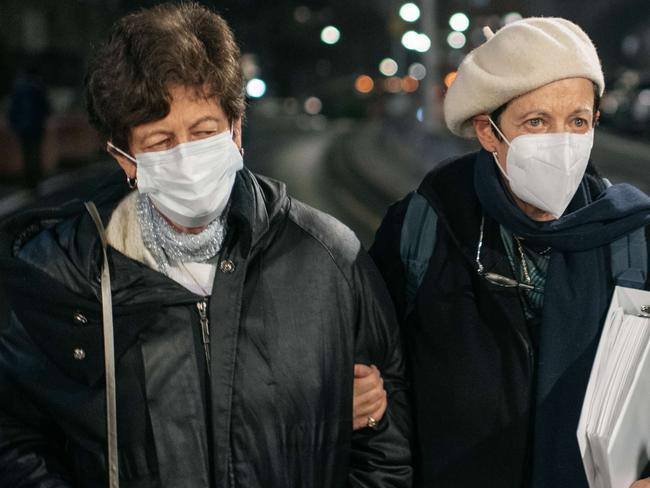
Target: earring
x=241 y=151
x=132 y=182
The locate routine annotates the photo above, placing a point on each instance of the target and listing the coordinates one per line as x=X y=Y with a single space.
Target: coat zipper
x=202 y=307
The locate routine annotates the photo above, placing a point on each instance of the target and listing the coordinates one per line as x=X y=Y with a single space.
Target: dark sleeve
x=30 y=456
x=385 y=251
x=381 y=457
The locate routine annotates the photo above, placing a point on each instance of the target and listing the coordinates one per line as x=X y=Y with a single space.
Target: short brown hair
x=128 y=78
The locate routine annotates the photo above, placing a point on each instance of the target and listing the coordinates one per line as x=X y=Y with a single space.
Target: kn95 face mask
x=545 y=170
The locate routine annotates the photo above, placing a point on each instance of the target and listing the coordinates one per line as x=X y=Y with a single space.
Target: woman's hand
x=369 y=398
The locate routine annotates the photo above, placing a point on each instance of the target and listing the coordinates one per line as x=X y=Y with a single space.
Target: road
x=354 y=171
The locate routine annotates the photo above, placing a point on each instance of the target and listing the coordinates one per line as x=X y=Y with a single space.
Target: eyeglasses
x=494 y=278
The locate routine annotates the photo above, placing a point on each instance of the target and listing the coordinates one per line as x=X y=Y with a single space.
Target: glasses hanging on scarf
x=495 y=278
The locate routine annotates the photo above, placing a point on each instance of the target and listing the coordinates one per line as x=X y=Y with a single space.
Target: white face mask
x=191 y=183
x=545 y=170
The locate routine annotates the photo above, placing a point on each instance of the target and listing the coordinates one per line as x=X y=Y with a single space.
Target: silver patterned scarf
x=170 y=247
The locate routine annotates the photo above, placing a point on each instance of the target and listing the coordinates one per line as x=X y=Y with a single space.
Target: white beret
x=519 y=58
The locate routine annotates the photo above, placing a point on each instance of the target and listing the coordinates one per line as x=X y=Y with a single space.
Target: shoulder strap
x=629 y=256
x=417 y=241
x=629 y=260
x=109 y=353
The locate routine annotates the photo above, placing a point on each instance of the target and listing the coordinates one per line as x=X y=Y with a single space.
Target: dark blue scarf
x=577 y=294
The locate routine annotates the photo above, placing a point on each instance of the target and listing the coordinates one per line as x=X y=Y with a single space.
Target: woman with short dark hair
x=237 y=315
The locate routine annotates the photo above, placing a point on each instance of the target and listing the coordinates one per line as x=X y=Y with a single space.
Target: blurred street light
x=364 y=84
x=255 y=88
x=512 y=17
x=330 y=35
x=313 y=105
x=410 y=39
x=250 y=66
x=302 y=14
x=393 y=84
x=459 y=22
x=417 y=71
x=409 y=12
x=449 y=79
x=410 y=84
x=416 y=42
x=456 y=40
x=424 y=43
x=388 y=67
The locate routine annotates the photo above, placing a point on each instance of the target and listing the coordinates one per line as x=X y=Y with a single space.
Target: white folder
x=614 y=428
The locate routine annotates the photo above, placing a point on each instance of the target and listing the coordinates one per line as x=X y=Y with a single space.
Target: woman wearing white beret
x=500 y=264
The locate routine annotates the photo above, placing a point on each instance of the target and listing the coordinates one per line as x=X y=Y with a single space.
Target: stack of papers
x=614 y=428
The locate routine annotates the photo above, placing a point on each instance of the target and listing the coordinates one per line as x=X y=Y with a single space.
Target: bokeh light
x=410 y=39
x=409 y=12
x=302 y=14
x=417 y=71
x=393 y=84
x=512 y=17
x=410 y=84
x=364 y=84
x=456 y=40
x=423 y=44
x=459 y=22
x=313 y=105
x=449 y=78
x=255 y=88
x=388 y=67
x=330 y=35
x=416 y=42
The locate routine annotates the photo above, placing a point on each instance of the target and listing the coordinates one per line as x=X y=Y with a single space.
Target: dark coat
x=470 y=350
x=301 y=304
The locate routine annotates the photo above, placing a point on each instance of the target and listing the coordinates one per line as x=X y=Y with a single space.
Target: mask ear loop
x=232 y=134
x=494 y=153
x=499 y=131
x=115 y=148
x=132 y=182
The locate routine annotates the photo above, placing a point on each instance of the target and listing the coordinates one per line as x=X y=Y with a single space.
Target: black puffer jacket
x=299 y=305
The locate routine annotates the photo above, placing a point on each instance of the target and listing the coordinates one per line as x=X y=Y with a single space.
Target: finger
x=367 y=384
x=362 y=402
x=361 y=421
x=381 y=409
x=374 y=409
x=361 y=370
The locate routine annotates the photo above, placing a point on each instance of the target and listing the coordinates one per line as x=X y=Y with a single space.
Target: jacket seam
x=324 y=246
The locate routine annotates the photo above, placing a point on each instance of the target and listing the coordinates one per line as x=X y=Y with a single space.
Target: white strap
x=109 y=354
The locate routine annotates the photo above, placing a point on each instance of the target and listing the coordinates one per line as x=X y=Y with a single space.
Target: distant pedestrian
x=28 y=113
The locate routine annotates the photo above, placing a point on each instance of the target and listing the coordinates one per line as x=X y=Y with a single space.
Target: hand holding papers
x=614 y=428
